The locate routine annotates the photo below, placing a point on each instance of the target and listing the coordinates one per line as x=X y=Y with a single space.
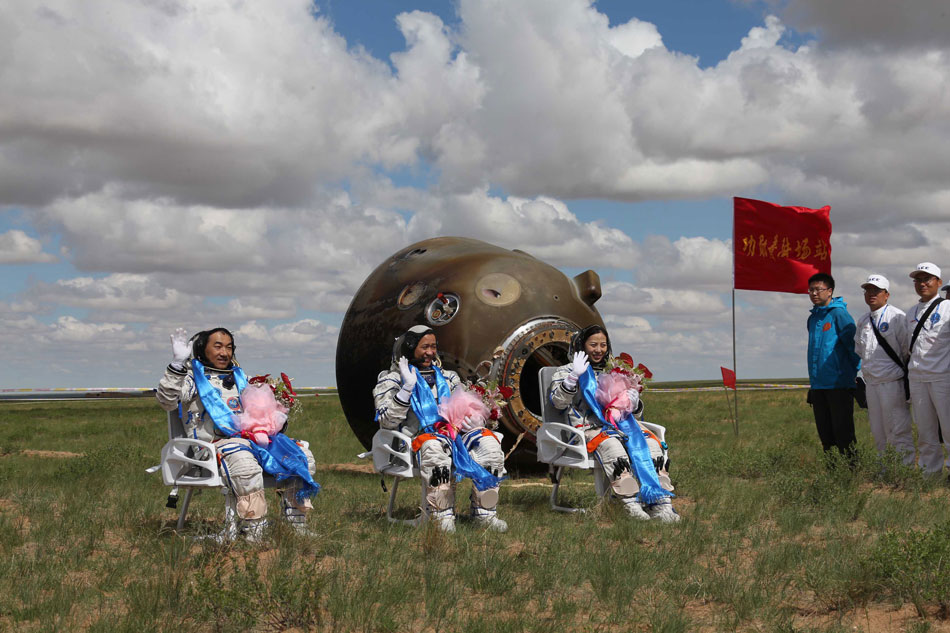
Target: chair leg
x=392 y=501
x=556 y=481
x=184 y=509
x=392 y=504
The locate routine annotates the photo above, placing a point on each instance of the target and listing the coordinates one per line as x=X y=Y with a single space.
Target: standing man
x=928 y=364
x=880 y=341
x=832 y=366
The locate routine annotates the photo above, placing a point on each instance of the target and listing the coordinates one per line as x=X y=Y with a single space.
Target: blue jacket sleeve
x=846 y=328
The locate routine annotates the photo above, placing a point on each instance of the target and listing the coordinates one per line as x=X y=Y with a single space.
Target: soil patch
x=50 y=454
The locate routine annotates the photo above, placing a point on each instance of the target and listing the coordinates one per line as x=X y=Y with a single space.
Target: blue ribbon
x=426 y=408
x=650 y=489
x=222 y=416
x=281 y=458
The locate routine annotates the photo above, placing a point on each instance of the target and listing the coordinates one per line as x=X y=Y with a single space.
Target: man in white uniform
x=928 y=366
x=888 y=413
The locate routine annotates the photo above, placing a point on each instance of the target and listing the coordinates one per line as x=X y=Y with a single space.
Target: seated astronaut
x=632 y=458
x=411 y=397
x=205 y=379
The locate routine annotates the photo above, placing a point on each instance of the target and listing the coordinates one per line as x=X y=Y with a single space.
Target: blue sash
x=650 y=489
x=281 y=458
x=426 y=408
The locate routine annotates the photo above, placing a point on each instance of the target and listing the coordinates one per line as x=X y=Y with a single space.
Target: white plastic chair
x=186 y=463
x=392 y=455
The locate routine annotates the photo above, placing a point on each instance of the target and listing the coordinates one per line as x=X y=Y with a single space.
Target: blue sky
x=251 y=164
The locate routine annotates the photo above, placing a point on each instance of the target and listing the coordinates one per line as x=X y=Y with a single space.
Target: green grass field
x=772 y=537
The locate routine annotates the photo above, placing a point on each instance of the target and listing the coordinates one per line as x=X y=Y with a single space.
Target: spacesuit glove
x=634 y=395
x=470 y=424
x=407 y=373
x=579 y=365
x=181 y=348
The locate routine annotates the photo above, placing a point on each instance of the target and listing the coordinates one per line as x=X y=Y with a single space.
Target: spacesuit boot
x=663 y=511
x=484 y=510
x=489 y=520
x=634 y=508
x=253 y=530
x=293 y=514
x=444 y=520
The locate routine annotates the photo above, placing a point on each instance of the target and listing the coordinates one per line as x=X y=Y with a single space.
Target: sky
x=195 y=163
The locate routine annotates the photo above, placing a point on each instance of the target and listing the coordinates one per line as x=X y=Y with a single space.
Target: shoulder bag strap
x=887 y=347
x=922 y=320
x=893 y=356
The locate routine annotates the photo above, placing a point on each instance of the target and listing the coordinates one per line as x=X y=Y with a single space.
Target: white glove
x=634 y=395
x=408 y=379
x=579 y=365
x=468 y=424
x=181 y=348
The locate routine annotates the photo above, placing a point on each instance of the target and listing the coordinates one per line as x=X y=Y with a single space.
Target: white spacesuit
x=608 y=448
x=392 y=396
x=246 y=503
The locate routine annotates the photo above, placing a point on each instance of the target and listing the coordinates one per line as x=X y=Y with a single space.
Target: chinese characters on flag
x=778 y=248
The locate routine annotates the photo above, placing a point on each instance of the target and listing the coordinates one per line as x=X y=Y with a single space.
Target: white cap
x=926 y=267
x=878 y=281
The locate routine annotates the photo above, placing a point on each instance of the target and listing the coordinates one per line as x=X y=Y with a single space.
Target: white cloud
x=689 y=262
x=544 y=227
x=16 y=247
x=72 y=330
x=119 y=291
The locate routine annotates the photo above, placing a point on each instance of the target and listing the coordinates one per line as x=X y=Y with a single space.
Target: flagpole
x=735 y=393
x=725 y=391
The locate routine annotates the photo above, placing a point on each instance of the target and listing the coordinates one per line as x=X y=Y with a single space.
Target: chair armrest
x=392 y=453
x=658 y=430
x=179 y=468
x=563 y=445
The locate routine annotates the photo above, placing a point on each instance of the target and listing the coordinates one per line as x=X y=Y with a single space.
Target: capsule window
x=442 y=309
x=498 y=289
x=411 y=295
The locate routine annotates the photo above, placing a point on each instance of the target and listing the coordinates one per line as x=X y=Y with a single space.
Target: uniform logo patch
x=883 y=327
x=234 y=403
x=826 y=327
x=934 y=318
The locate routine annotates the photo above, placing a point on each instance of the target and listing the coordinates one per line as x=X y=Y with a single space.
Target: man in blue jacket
x=832 y=366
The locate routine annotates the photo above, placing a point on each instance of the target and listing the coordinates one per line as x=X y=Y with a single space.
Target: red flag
x=778 y=248
x=728 y=378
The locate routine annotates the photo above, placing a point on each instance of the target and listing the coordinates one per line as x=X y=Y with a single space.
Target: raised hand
x=579 y=366
x=181 y=346
x=407 y=373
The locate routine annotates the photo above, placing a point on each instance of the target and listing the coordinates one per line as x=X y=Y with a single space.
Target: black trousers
x=834 y=417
